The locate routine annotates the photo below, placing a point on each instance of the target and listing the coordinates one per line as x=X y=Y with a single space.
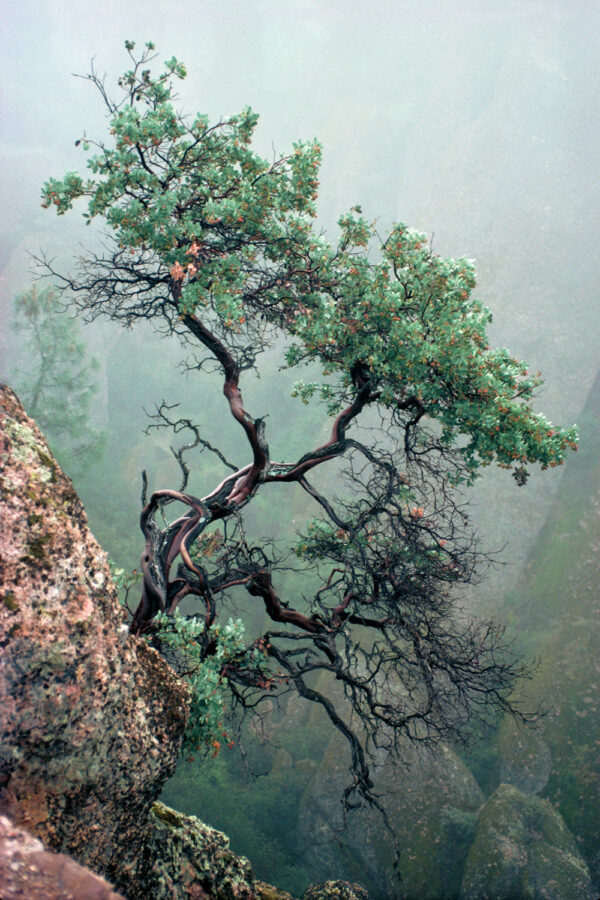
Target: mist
x=474 y=121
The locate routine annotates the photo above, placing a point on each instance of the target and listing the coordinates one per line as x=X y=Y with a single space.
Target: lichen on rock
x=184 y=854
x=335 y=890
x=92 y=718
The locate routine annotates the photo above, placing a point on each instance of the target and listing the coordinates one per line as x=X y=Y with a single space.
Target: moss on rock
x=523 y=849
x=186 y=857
x=335 y=890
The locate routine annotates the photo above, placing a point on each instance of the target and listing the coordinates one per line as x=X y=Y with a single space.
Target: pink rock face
x=91 y=719
x=27 y=870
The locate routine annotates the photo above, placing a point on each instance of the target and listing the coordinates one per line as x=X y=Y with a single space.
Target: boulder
x=92 y=718
x=431 y=801
x=335 y=890
x=28 y=871
x=523 y=849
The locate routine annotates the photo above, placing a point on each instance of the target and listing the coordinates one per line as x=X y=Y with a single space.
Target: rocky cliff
x=92 y=718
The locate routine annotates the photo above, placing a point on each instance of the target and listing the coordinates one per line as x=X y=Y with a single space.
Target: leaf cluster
x=201 y=224
x=183 y=640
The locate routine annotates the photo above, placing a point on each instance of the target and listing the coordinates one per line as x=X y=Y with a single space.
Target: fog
x=472 y=120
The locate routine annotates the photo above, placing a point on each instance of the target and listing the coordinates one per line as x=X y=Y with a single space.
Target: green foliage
x=227 y=233
x=124 y=581
x=55 y=377
x=185 y=639
x=413 y=320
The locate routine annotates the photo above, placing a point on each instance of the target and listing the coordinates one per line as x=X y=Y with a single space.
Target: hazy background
x=476 y=121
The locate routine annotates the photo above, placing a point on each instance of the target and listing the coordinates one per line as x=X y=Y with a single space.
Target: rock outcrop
x=525 y=760
x=556 y=609
x=182 y=848
x=522 y=848
x=28 y=871
x=92 y=719
x=432 y=802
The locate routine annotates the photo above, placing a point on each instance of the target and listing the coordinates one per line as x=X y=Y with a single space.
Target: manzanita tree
x=218 y=248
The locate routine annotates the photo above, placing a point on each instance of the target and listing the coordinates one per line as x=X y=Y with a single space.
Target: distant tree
x=217 y=247
x=56 y=377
